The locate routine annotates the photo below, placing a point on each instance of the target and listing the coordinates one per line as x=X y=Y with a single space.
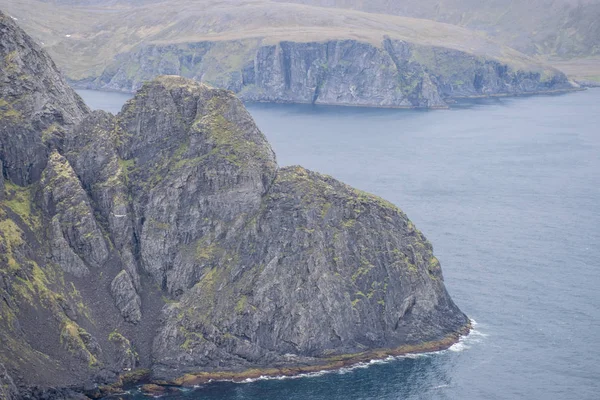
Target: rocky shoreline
x=330 y=364
x=190 y=380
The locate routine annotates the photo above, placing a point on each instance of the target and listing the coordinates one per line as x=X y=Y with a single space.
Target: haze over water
x=508 y=192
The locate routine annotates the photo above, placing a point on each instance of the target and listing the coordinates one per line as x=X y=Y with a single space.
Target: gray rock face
x=167 y=238
x=341 y=272
x=126 y=298
x=92 y=150
x=8 y=390
x=342 y=72
x=36 y=105
x=337 y=72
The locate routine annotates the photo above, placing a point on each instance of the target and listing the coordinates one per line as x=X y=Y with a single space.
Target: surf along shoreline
x=333 y=363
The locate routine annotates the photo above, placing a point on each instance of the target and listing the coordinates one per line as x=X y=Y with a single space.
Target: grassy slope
x=585 y=68
x=99 y=32
x=563 y=33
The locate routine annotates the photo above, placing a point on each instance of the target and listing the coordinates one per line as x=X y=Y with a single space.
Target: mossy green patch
x=8 y=112
x=191 y=339
x=50 y=132
x=325 y=209
x=229 y=140
x=206 y=252
x=368 y=198
x=364 y=269
x=126 y=166
x=159 y=224
x=11 y=237
x=72 y=339
x=120 y=340
x=348 y=223
x=19 y=200
x=241 y=305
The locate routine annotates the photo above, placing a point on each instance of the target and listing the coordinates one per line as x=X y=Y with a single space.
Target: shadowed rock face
x=36 y=105
x=167 y=238
x=8 y=390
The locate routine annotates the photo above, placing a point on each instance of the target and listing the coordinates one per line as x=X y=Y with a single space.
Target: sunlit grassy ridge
x=85 y=39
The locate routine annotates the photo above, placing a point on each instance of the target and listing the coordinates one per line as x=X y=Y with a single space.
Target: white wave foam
x=463 y=343
x=440 y=386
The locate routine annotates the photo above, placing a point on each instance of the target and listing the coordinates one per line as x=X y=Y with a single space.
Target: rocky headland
x=395 y=74
x=165 y=245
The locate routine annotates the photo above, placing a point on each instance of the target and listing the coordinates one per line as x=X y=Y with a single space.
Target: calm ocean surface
x=508 y=192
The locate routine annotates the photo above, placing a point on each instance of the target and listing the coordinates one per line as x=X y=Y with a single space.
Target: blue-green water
x=508 y=192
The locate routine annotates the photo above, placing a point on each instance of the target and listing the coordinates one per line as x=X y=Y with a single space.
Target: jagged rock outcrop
x=126 y=297
x=70 y=210
x=56 y=260
x=342 y=72
x=167 y=238
x=197 y=165
x=125 y=356
x=341 y=272
x=92 y=150
x=36 y=104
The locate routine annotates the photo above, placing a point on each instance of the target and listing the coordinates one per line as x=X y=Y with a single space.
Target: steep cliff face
x=167 y=238
x=57 y=259
x=34 y=99
x=341 y=272
x=197 y=166
x=342 y=72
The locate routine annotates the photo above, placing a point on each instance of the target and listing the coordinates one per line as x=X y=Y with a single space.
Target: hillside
x=118 y=46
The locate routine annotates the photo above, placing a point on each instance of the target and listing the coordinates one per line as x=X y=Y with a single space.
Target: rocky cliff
x=165 y=240
x=341 y=72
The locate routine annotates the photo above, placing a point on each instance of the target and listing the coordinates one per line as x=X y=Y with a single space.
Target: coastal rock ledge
x=165 y=245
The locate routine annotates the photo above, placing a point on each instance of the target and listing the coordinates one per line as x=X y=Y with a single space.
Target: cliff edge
x=166 y=240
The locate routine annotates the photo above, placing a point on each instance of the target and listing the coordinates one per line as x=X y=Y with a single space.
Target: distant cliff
x=282 y=52
x=340 y=72
x=166 y=240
